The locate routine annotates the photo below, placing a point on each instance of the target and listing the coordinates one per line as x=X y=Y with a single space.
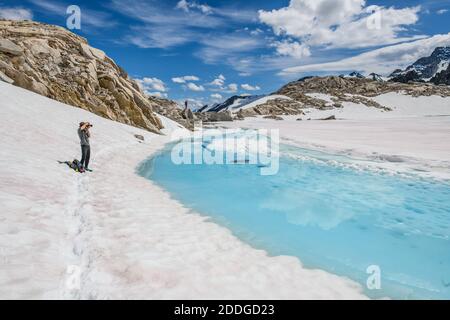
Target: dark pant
x=85 y=156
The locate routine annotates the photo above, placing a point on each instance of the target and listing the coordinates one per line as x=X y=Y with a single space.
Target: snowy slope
x=44 y=204
x=112 y=233
x=416 y=132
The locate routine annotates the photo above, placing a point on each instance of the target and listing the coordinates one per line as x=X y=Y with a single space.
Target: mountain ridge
x=353 y=87
x=434 y=69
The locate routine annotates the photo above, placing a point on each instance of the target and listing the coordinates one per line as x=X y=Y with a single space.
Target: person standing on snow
x=84 y=134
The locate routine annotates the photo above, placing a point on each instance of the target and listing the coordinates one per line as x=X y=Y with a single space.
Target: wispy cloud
x=93 y=19
x=212 y=29
x=159 y=36
x=383 y=60
x=161 y=14
x=15 y=13
x=222 y=47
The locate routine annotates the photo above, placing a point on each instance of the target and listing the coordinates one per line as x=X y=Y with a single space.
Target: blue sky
x=208 y=50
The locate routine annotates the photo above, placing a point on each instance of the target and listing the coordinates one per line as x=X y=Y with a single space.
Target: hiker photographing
x=84 y=134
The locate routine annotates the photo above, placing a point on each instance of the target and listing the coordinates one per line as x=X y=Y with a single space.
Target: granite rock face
x=58 y=64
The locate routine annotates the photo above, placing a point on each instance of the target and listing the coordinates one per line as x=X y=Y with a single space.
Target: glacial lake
x=330 y=214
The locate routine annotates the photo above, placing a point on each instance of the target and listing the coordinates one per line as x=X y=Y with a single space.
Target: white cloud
x=250 y=88
x=193 y=87
x=157 y=94
x=256 y=32
x=219 y=85
x=186 y=6
x=192 y=103
x=217 y=96
x=15 y=14
x=442 y=11
x=219 y=81
x=233 y=87
x=382 y=61
x=152 y=84
x=183 y=5
x=292 y=49
x=341 y=24
x=185 y=79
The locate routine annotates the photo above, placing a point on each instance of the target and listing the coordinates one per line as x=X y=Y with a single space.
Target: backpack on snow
x=77 y=166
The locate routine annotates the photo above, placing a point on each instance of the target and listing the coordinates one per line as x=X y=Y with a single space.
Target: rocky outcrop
x=356 y=90
x=274 y=117
x=308 y=93
x=223 y=116
x=328 y=118
x=56 y=63
x=442 y=78
x=5 y=78
x=273 y=107
x=340 y=87
x=171 y=110
x=328 y=93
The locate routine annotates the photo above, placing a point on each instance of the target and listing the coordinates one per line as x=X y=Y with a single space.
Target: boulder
x=5 y=78
x=7 y=46
x=329 y=118
x=274 y=117
x=38 y=88
x=215 y=116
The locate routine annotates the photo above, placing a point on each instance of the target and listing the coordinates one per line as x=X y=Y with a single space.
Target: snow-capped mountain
x=375 y=77
x=434 y=68
x=355 y=75
x=232 y=104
